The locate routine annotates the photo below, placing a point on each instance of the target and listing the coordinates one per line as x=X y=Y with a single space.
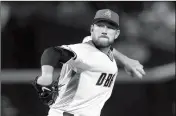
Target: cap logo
x=107 y=14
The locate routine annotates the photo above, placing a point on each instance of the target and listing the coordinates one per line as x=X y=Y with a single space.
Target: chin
x=103 y=44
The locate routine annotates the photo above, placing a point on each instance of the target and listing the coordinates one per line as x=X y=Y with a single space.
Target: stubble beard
x=102 y=44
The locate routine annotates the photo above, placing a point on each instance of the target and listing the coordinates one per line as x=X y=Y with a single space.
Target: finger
x=136 y=73
x=128 y=72
x=139 y=65
x=141 y=70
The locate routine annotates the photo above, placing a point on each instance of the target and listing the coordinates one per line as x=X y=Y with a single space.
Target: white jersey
x=87 y=80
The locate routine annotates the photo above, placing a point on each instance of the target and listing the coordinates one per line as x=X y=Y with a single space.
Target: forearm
x=161 y=73
x=119 y=57
x=49 y=60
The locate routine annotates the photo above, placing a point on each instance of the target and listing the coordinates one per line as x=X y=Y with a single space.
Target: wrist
x=46 y=77
x=125 y=61
x=45 y=80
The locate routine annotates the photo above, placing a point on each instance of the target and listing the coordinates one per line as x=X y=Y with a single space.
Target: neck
x=102 y=49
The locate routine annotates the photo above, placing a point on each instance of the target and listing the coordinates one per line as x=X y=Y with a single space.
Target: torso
x=88 y=81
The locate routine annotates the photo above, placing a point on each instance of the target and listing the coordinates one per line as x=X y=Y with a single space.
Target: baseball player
x=88 y=72
x=131 y=66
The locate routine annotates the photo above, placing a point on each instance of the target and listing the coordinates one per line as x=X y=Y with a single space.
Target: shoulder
x=86 y=39
x=78 y=49
x=82 y=47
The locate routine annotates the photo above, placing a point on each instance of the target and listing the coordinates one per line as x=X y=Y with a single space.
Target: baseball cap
x=106 y=15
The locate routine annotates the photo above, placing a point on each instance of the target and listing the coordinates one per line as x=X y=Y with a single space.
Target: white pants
x=53 y=112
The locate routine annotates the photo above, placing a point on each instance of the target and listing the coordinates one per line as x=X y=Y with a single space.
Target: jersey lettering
x=108 y=80
x=105 y=78
x=112 y=78
x=101 y=78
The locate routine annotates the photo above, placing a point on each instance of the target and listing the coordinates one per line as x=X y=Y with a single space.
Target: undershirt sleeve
x=51 y=56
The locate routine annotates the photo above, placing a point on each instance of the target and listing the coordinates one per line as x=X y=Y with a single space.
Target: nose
x=104 y=32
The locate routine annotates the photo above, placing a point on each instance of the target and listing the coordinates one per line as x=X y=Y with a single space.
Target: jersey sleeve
x=78 y=60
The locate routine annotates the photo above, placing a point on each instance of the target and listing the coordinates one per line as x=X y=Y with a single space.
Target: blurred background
x=147 y=35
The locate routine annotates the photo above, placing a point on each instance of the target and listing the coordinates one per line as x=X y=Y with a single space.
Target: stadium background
x=147 y=35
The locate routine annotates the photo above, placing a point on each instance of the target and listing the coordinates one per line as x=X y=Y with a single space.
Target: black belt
x=67 y=114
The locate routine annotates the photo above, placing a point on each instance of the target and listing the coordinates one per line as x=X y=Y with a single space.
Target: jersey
x=87 y=81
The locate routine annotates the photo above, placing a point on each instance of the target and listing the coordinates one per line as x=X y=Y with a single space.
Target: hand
x=134 y=68
x=47 y=94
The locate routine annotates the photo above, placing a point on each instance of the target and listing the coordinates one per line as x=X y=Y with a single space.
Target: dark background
x=147 y=35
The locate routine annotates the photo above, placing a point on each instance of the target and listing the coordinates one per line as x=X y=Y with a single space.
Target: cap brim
x=103 y=19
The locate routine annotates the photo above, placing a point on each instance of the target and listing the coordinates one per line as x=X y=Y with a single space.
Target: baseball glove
x=47 y=94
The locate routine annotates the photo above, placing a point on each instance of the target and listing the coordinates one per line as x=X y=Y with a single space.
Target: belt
x=67 y=114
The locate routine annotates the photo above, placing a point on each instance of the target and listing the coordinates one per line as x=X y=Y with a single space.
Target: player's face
x=104 y=33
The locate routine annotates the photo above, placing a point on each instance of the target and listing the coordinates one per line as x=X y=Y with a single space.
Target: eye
x=110 y=27
x=100 y=25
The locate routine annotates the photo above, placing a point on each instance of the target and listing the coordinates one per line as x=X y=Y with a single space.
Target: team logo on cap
x=107 y=14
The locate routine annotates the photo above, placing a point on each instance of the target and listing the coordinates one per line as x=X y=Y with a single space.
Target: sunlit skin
x=104 y=33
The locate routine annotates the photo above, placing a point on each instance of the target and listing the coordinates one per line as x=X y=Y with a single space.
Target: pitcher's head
x=105 y=28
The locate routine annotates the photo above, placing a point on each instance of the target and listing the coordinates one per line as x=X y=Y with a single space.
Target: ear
x=91 y=28
x=117 y=34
